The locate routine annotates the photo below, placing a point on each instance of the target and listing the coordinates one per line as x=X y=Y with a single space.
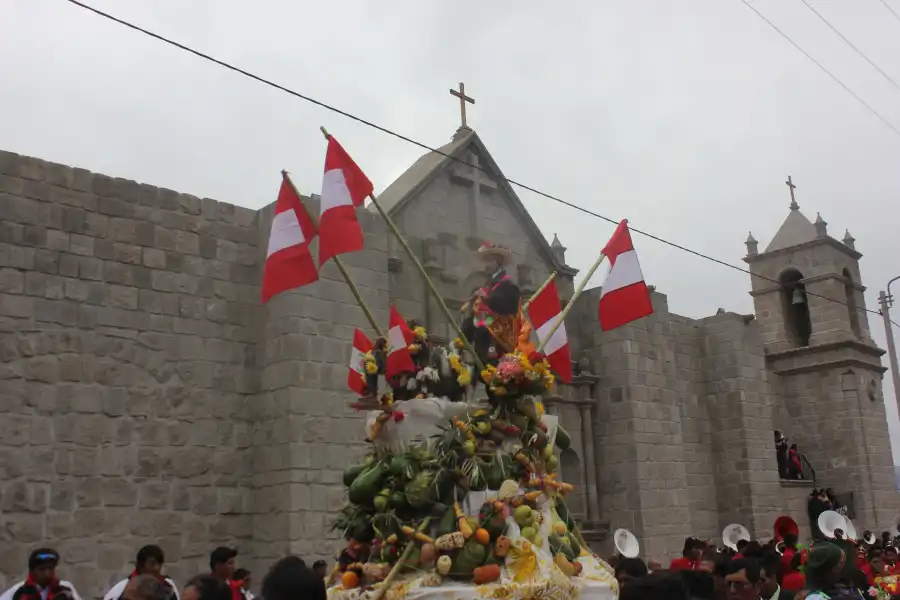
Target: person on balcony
x=795 y=467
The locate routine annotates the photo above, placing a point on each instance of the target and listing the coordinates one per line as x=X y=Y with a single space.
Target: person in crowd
x=792 y=579
x=42 y=582
x=740 y=545
x=699 y=585
x=629 y=569
x=149 y=561
x=656 y=586
x=752 y=549
x=206 y=587
x=874 y=566
x=222 y=566
x=245 y=578
x=771 y=579
x=790 y=549
x=690 y=555
x=890 y=560
x=744 y=580
x=320 y=568
x=824 y=567
x=654 y=565
x=720 y=572
x=289 y=579
x=146 y=587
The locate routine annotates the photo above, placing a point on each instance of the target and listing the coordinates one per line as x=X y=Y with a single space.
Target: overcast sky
x=685 y=117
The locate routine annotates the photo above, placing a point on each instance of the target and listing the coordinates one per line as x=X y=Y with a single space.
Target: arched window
x=852 y=310
x=795 y=307
x=570 y=470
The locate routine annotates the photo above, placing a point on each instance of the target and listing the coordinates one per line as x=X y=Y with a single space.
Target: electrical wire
x=849 y=43
x=439 y=152
x=888 y=6
x=818 y=64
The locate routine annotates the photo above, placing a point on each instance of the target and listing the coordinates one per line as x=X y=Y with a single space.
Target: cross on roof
x=792 y=187
x=461 y=94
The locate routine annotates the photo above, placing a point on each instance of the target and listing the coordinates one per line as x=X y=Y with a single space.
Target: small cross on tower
x=461 y=94
x=792 y=187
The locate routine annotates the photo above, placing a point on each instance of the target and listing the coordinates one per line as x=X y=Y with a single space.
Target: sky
x=685 y=117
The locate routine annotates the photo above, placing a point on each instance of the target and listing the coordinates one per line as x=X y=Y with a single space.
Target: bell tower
x=808 y=295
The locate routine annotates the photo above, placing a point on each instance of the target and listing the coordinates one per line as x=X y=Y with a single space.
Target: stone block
x=81 y=245
x=57 y=240
x=154 y=258
x=127 y=253
x=123 y=297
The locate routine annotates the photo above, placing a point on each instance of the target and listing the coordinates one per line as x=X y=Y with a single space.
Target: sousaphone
x=850 y=530
x=869 y=538
x=734 y=533
x=626 y=543
x=832 y=524
x=785 y=525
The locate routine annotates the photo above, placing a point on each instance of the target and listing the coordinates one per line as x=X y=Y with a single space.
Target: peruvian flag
x=344 y=188
x=544 y=311
x=624 y=296
x=400 y=336
x=289 y=263
x=356 y=379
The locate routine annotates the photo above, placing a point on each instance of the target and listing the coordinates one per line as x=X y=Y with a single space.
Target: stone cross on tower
x=479 y=180
x=461 y=94
x=792 y=187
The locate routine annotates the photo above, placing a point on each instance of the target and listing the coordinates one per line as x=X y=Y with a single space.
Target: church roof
x=405 y=188
x=795 y=230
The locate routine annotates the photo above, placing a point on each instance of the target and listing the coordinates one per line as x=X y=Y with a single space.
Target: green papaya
x=493 y=474
x=469 y=558
x=351 y=473
x=563 y=511
x=563 y=441
x=573 y=542
x=398 y=499
x=447 y=523
x=367 y=484
x=399 y=465
x=567 y=550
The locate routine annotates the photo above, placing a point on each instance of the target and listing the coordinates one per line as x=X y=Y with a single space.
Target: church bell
x=798 y=297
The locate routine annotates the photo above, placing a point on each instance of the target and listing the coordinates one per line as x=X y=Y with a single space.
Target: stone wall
x=127 y=333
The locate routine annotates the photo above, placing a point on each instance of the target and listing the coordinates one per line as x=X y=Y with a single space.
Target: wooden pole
x=540 y=289
x=340 y=264
x=389 y=580
x=562 y=316
x=428 y=282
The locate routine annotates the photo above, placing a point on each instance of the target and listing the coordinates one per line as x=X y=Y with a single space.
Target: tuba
x=785 y=525
x=626 y=543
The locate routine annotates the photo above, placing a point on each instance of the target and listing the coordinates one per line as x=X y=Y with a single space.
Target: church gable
x=453 y=207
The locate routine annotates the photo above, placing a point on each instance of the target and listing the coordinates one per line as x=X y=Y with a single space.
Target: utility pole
x=886 y=300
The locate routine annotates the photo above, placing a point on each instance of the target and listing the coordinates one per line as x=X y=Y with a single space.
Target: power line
x=818 y=64
x=849 y=43
x=438 y=151
x=888 y=6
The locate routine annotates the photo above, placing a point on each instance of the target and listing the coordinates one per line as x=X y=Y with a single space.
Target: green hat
x=823 y=557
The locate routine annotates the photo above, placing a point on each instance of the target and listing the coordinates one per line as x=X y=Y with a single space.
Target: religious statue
x=493 y=319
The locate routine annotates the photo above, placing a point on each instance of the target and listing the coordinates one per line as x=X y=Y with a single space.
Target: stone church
x=147 y=396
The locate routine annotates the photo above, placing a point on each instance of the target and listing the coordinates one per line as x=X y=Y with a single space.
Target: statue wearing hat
x=493 y=318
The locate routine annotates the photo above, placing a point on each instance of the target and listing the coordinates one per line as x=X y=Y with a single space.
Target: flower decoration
x=414 y=348
x=369 y=363
x=420 y=333
x=465 y=378
x=518 y=374
x=398 y=416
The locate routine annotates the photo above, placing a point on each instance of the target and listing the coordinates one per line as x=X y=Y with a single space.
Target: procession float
x=460 y=496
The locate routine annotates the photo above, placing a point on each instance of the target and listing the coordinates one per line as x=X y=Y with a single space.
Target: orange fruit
x=350 y=580
x=482 y=536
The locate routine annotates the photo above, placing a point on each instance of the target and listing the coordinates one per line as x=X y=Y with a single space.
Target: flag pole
x=339 y=263
x=562 y=315
x=428 y=282
x=540 y=289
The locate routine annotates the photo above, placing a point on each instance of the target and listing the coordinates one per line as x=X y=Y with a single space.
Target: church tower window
x=795 y=306
x=852 y=309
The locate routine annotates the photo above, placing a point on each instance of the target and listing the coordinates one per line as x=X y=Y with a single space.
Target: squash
x=447 y=523
x=563 y=441
x=564 y=565
x=486 y=574
x=501 y=546
x=420 y=491
x=351 y=473
x=428 y=555
x=367 y=484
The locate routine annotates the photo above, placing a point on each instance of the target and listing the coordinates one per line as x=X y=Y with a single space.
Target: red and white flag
x=344 y=188
x=289 y=263
x=544 y=311
x=624 y=296
x=356 y=379
x=400 y=336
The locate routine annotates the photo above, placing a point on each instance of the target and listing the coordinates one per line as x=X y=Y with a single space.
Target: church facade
x=146 y=395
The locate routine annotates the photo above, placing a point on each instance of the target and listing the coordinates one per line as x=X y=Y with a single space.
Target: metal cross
x=461 y=94
x=792 y=187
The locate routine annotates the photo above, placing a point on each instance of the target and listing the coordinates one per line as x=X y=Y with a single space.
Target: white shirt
x=8 y=594
x=115 y=592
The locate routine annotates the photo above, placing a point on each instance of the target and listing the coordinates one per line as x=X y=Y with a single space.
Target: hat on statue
x=493 y=253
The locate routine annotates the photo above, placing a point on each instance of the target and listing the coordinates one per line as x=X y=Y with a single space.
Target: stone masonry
x=147 y=396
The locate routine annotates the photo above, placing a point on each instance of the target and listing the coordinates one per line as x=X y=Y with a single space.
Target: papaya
x=447 y=523
x=566 y=550
x=367 y=484
x=398 y=499
x=555 y=543
x=563 y=441
x=563 y=511
x=351 y=473
x=399 y=465
x=576 y=547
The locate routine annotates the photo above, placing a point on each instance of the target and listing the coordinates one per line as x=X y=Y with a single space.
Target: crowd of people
x=287 y=579
x=777 y=570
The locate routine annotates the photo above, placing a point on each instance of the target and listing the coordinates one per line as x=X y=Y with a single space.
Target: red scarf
x=236 y=592
x=32 y=591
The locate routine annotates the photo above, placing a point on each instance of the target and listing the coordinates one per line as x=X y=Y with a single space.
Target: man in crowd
x=146 y=587
x=41 y=582
x=629 y=569
x=149 y=561
x=222 y=567
x=206 y=587
x=245 y=578
x=290 y=579
x=792 y=578
x=690 y=555
x=771 y=579
x=320 y=568
x=824 y=567
x=744 y=580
